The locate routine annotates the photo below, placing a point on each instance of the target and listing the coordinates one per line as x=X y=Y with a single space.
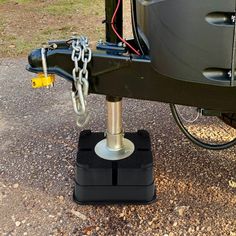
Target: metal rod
x=115 y=146
x=44 y=62
x=114 y=133
x=114 y=105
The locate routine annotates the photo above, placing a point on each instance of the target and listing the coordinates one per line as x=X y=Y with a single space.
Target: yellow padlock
x=42 y=81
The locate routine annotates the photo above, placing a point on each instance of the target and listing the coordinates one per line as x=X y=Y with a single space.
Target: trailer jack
x=116 y=167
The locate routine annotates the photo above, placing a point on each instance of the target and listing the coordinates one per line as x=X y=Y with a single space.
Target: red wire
x=115 y=31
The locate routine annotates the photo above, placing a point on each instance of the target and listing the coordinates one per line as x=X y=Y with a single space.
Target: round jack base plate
x=106 y=153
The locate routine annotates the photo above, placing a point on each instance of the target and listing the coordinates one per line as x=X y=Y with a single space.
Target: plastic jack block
x=99 y=181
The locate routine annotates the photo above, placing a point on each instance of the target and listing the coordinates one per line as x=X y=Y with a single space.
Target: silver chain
x=81 y=52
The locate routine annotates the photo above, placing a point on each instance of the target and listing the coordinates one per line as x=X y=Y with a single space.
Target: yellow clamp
x=42 y=81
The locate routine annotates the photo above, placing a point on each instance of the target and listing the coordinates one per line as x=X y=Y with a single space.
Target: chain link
x=80 y=52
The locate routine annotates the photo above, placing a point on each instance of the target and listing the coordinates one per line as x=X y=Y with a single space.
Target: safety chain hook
x=80 y=53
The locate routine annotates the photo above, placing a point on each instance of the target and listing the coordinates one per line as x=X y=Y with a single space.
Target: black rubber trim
x=116 y=202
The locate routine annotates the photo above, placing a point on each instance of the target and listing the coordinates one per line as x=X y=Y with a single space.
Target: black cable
x=134 y=24
x=195 y=140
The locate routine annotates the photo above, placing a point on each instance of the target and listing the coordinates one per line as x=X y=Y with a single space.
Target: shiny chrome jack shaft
x=114 y=147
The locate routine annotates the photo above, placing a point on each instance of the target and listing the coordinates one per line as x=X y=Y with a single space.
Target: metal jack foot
x=117 y=169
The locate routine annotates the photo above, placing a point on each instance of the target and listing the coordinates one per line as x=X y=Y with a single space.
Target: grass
x=26 y=24
x=15 y=1
x=66 y=7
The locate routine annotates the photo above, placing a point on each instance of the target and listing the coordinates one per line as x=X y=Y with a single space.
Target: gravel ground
x=38 y=138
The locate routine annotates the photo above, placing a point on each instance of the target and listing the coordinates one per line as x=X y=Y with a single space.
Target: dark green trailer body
x=189 y=40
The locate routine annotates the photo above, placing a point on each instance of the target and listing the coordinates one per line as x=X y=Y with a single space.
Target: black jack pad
x=99 y=181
